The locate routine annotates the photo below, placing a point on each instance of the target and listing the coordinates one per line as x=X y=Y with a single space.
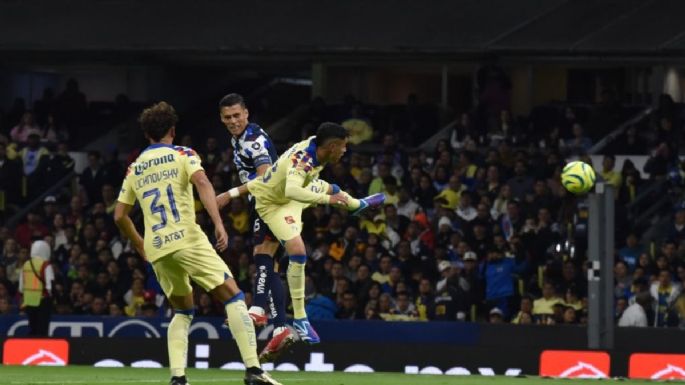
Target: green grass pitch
x=24 y=375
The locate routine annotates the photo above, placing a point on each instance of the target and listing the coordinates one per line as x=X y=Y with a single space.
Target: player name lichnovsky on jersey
x=252 y=149
x=160 y=180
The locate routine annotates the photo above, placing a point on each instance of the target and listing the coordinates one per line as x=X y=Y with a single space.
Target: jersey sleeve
x=294 y=183
x=190 y=160
x=318 y=186
x=257 y=148
x=126 y=194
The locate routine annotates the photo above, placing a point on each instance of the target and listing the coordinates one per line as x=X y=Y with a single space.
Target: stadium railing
x=615 y=134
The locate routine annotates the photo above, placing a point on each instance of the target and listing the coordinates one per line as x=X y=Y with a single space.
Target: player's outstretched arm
x=126 y=226
x=223 y=199
x=208 y=198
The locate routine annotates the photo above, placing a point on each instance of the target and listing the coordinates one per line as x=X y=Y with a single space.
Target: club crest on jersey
x=289 y=220
x=185 y=151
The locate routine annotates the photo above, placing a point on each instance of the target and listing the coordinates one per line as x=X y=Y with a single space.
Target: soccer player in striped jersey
x=253 y=154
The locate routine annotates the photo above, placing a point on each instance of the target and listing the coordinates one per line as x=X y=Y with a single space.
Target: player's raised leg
x=356 y=206
x=359 y=205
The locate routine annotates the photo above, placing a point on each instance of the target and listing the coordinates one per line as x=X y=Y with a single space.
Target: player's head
x=331 y=140
x=233 y=113
x=158 y=121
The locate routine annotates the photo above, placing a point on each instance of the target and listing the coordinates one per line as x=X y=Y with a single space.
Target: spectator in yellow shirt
x=134 y=298
x=377 y=184
x=544 y=306
x=451 y=195
x=382 y=276
x=526 y=307
x=572 y=299
x=610 y=175
x=240 y=219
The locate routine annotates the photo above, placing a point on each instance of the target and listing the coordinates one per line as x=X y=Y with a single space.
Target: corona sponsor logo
x=142 y=166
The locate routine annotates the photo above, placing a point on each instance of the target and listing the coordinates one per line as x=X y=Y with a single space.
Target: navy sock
x=277 y=303
x=265 y=269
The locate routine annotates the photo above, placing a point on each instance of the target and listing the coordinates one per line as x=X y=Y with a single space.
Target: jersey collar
x=311 y=151
x=157 y=145
x=248 y=129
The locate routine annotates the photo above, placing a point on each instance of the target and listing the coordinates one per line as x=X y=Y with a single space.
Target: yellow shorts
x=200 y=263
x=285 y=221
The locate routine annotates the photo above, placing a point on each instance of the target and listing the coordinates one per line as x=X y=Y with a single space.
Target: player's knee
x=231 y=287
x=226 y=290
x=181 y=301
x=295 y=246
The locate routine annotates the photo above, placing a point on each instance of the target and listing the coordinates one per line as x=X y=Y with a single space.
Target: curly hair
x=157 y=120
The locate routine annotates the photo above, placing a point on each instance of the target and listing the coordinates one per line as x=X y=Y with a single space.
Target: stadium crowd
x=477 y=229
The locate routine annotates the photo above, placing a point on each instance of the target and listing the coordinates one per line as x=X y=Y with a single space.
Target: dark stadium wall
x=385 y=84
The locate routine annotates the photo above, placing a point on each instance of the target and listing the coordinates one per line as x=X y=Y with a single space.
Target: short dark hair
x=232 y=100
x=390 y=180
x=328 y=131
x=157 y=120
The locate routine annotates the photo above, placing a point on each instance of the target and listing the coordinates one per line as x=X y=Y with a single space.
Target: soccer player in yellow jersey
x=161 y=180
x=288 y=187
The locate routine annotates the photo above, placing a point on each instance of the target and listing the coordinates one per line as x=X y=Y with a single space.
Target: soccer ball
x=578 y=177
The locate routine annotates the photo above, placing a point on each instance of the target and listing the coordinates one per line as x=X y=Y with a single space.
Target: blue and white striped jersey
x=252 y=149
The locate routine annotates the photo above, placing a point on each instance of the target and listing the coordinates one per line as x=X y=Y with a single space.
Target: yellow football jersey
x=160 y=180
x=295 y=169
